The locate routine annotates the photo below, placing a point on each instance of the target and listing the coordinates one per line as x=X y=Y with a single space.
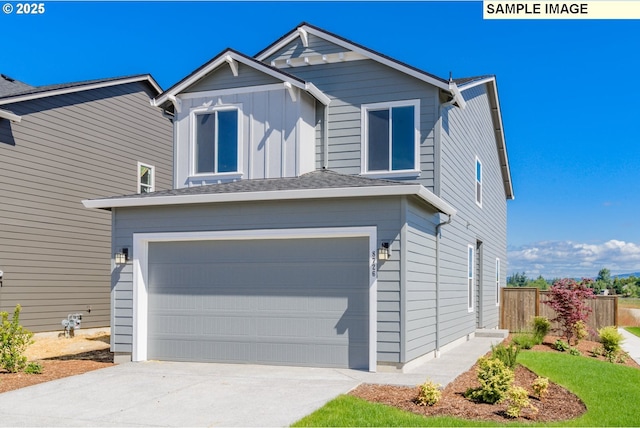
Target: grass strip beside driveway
x=610 y=392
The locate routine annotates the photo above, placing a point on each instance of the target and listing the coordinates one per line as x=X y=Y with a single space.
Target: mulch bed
x=558 y=405
x=56 y=368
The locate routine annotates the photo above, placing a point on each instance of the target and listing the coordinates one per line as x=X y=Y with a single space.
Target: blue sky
x=568 y=92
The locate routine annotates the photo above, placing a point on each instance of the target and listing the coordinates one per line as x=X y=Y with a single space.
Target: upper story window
x=216 y=141
x=478 y=182
x=390 y=137
x=146 y=178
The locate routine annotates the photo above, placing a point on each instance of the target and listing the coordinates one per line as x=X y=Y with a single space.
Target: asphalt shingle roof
x=320 y=179
x=10 y=86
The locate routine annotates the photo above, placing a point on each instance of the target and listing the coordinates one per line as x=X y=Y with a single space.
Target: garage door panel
x=299 y=302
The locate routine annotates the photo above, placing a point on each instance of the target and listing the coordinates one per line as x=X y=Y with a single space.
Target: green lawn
x=633 y=330
x=629 y=302
x=610 y=392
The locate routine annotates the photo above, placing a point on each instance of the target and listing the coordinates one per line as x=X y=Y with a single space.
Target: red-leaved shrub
x=567 y=297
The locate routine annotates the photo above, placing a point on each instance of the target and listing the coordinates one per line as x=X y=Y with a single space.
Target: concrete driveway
x=176 y=395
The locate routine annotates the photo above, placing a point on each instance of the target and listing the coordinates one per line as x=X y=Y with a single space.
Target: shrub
x=561 y=345
x=506 y=354
x=574 y=351
x=581 y=331
x=495 y=380
x=524 y=340
x=540 y=387
x=518 y=399
x=14 y=340
x=541 y=327
x=610 y=338
x=567 y=298
x=429 y=394
x=33 y=368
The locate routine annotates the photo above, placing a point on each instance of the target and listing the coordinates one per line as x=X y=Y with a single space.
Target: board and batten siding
x=277 y=135
x=351 y=84
x=384 y=213
x=55 y=253
x=464 y=135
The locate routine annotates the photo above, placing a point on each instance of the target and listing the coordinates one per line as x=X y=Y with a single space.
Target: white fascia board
x=225 y=57
x=414 y=73
x=502 y=145
x=317 y=93
x=63 y=91
x=475 y=83
x=4 y=114
x=343 y=192
x=457 y=95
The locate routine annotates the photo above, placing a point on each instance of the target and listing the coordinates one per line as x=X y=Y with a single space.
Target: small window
x=470 y=277
x=216 y=142
x=478 y=182
x=497 y=282
x=390 y=137
x=146 y=178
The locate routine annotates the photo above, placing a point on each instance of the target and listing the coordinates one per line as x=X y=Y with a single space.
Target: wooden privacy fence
x=520 y=304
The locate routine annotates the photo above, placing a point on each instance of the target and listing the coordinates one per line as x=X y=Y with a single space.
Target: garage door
x=276 y=301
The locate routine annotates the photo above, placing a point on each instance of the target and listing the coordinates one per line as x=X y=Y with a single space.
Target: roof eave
x=5 y=114
x=97 y=85
x=342 y=192
x=225 y=56
x=261 y=56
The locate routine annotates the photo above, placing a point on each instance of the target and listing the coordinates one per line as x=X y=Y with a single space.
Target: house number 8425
x=29 y=8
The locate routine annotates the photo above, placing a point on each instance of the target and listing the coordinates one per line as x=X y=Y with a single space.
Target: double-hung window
x=390 y=137
x=216 y=141
x=146 y=178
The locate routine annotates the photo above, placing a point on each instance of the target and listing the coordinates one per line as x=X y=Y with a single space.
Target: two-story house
x=60 y=144
x=331 y=207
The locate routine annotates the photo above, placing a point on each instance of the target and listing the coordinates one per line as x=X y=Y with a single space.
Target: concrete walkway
x=631 y=344
x=199 y=394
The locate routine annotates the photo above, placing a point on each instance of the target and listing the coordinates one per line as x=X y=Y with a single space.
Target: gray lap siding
x=386 y=214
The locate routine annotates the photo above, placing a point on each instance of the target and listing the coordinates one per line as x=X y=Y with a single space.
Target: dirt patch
x=559 y=404
x=61 y=357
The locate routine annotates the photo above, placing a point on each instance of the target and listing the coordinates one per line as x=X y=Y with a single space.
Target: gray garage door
x=291 y=302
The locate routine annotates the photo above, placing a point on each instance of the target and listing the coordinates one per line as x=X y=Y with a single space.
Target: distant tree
x=539 y=282
x=517 y=280
x=567 y=298
x=603 y=280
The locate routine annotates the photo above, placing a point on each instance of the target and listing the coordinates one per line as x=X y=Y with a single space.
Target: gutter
x=5 y=114
x=438 y=232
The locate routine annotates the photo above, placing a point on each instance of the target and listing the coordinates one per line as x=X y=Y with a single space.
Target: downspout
x=438 y=227
x=325 y=138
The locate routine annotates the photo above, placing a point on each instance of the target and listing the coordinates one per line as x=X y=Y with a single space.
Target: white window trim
x=140 y=264
x=153 y=177
x=497 y=281
x=193 y=176
x=364 y=122
x=475 y=181
x=471 y=288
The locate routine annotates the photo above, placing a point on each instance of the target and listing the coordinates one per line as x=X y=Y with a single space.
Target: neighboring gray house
x=331 y=207
x=61 y=144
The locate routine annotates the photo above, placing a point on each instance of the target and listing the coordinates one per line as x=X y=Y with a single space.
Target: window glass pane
x=145 y=175
x=378 y=133
x=470 y=262
x=228 y=141
x=478 y=172
x=403 y=134
x=205 y=142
